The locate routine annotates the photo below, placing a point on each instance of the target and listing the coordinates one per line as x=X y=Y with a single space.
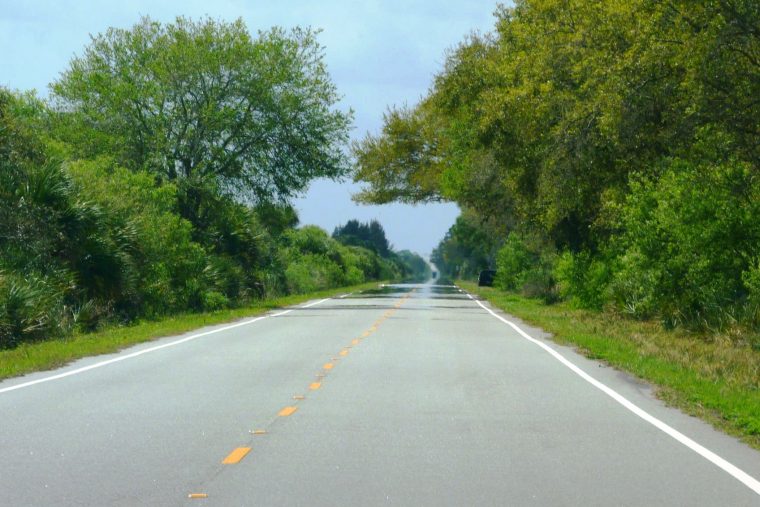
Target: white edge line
x=314 y=303
x=731 y=469
x=148 y=350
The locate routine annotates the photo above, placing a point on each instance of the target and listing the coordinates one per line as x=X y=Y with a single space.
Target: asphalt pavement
x=405 y=395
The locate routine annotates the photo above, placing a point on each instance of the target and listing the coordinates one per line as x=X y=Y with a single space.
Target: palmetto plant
x=49 y=230
x=29 y=310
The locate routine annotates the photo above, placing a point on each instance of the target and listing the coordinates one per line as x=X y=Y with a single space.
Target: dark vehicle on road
x=485 y=278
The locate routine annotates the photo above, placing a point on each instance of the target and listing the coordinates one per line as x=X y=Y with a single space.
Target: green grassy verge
x=708 y=376
x=30 y=357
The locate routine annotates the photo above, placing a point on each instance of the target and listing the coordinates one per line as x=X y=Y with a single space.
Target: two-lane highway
x=407 y=395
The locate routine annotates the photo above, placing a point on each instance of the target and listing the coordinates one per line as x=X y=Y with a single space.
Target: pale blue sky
x=379 y=53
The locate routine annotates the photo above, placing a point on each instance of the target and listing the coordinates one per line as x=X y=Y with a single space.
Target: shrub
x=527 y=265
x=312 y=272
x=30 y=310
x=632 y=289
x=513 y=261
x=689 y=238
x=583 y=279
x=213 y=300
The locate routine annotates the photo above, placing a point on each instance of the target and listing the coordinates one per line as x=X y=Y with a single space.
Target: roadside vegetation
x=606 y=158
x=371 y=236
x=156 y=180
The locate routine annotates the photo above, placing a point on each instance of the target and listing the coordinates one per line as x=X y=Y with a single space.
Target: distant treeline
x=156 y=180
x=602 y=152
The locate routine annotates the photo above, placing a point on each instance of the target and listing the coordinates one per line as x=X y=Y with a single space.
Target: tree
x=418 y=270
x=370 y=235
x=469 y=246
x=206 y=105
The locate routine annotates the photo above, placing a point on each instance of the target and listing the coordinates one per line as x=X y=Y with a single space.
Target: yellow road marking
x=366 y=334
x=328 y=366
x=285 y=412
x=315 y=385
x=344 y=352
x=355 y=342
x=259 y=432
x=197 y=495
x=236 y=455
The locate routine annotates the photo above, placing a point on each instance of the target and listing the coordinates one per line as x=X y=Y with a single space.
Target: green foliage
x=583 y=279
x=624 y=135
x=470 y=245
x=526 y=265
x=158 y=182
x=316 y=261
x=206 y=105
x=311 y=272
x=416 y=268
x=370 y=235
x=30 y=310
x=88 y=241
x=400 y=164
x=167 y=264
x=690 y=238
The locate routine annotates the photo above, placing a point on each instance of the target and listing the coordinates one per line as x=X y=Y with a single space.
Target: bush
x=513 y=261
x=583 y=279
x=30 y=310
x=312 y=272
x=633 y=288
x=689 y=238
x=527 y=265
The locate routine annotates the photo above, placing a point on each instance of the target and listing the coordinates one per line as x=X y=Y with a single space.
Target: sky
x=379 y=53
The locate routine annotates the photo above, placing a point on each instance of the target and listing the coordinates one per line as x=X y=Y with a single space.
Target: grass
x=709 y=376
x=46 y=355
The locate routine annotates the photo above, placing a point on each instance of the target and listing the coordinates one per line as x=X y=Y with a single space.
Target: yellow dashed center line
x=287 y=411
x=239 y=453
x=236 y=455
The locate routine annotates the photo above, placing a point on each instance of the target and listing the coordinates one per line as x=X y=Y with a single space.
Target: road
x=408 y=395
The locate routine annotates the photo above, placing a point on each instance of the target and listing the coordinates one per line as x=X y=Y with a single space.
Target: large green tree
x=208 y=106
